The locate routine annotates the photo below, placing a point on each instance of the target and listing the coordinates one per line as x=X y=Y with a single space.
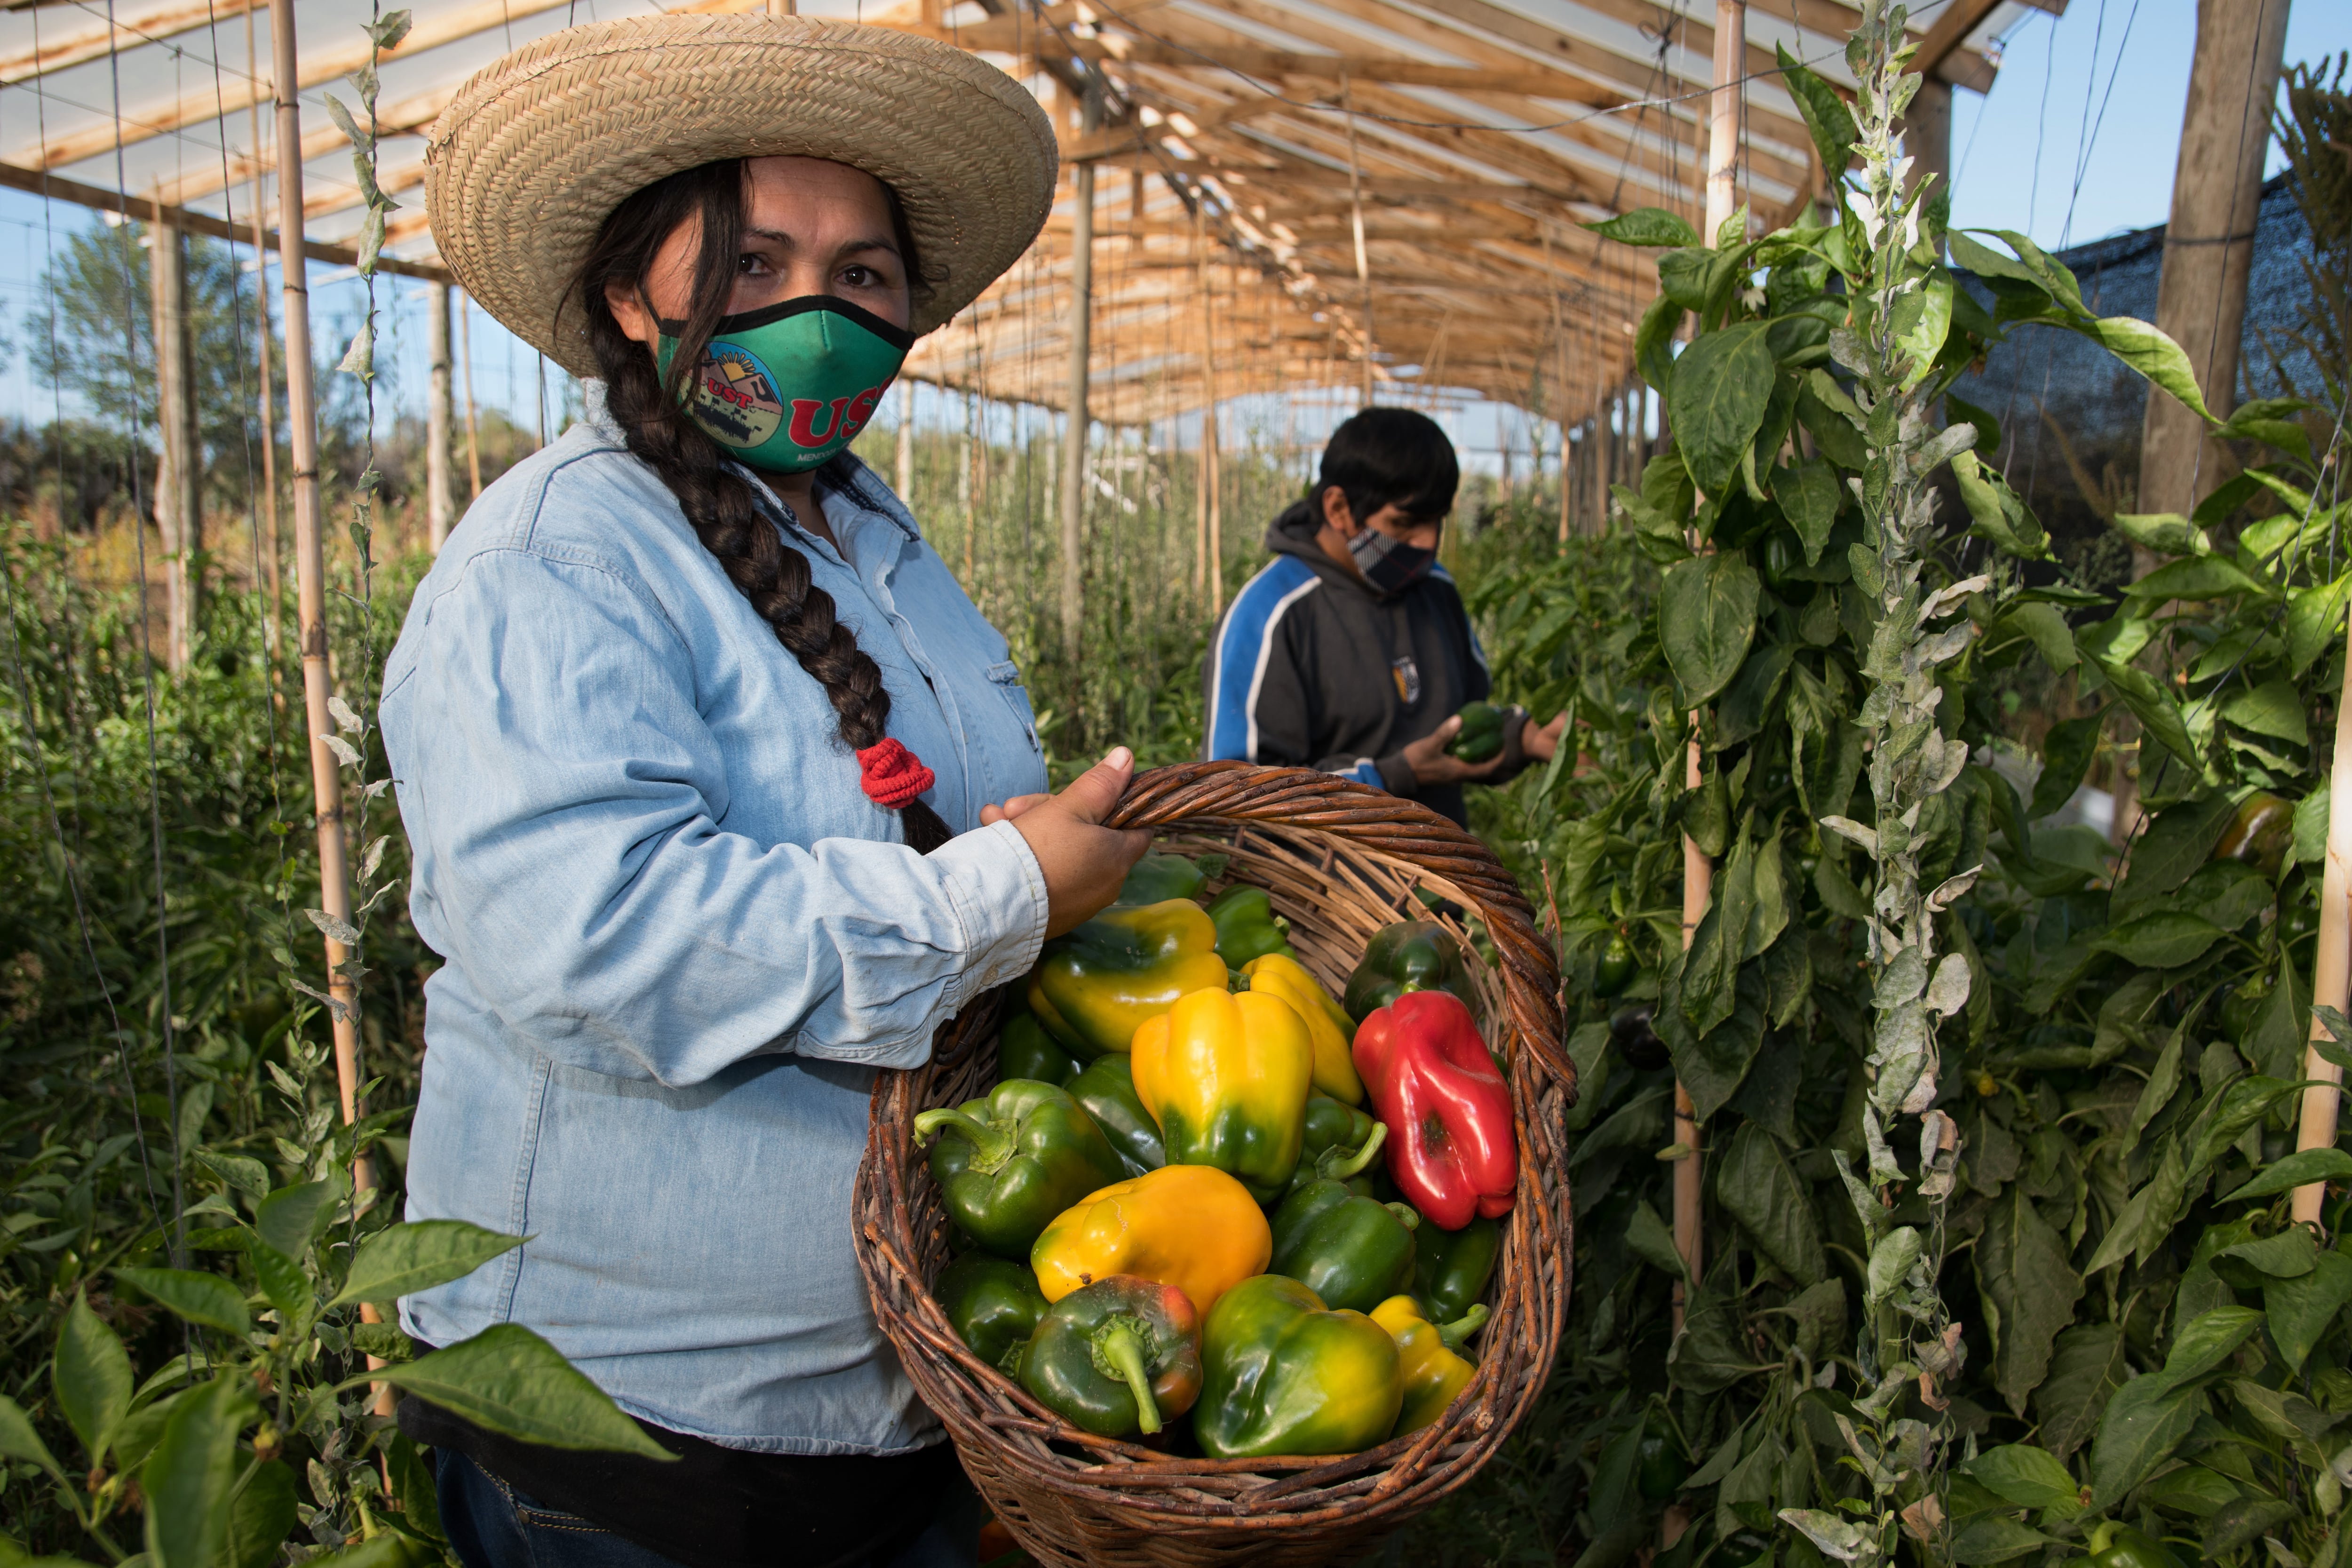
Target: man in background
x=1351 y=652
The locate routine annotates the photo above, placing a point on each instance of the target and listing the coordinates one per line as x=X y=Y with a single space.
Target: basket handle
x=1304 y=799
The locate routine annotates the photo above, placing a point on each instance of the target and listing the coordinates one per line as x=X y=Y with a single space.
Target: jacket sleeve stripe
x=1245 y=648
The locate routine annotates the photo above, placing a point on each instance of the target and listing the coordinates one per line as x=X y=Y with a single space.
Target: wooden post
x=437 y=498
x=1927 y=135
x=1074 y=444
x=2209 y=246
x=1355 y=216
x=1201 y=484
x=2331 y=978
x=179 y=477
x=905 y=456
x=310 y=572
x=270 y=551
x=473 y=437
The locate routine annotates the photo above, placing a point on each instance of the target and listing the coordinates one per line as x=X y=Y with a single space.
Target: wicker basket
x=1340 y=861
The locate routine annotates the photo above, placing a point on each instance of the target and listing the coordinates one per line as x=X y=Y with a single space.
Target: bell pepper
x=1118 y=1357
x=1451 y=1268
x=1226 y=1078
x=1156 y=878
x=1186 y=1225
x=1453 y=1147
x=1095 y=985
x=1011 y=1161
x=1340 y=1145
x=1330 y=1030
x=1106 y=1091
x=1614 y=970
x=1353 y=1252
x=2115 y=1545
x=994 y=1305
x=1433 y=1374
x=1023 y=1049
x=1409 y=956
x=1287 y=1376
x=1247 y=927
x=1663 y=1466
x=1480 y=739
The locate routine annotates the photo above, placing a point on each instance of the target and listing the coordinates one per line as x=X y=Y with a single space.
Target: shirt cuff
x=1397 y=774
x=998 y=892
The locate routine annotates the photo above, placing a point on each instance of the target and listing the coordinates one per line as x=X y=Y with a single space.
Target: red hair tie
x=892 y=775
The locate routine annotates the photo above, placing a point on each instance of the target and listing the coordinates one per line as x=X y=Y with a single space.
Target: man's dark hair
x=1385 y=456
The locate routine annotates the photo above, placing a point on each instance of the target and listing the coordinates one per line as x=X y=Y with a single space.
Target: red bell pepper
x=1452 y=1147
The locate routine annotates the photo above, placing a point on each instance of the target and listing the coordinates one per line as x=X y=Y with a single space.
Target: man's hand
x=1431 y=765
x=1083 y=863
x=1541 y=744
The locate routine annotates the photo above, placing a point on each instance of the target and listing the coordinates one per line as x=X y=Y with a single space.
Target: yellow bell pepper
x=1187 y=1225
x=1331 y=1031
x=1434 y=1375
x=1226 y=1078
x=1093 y=986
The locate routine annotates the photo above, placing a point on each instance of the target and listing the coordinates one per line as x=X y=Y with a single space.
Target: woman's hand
x=1431 y=765
x=1083 y=863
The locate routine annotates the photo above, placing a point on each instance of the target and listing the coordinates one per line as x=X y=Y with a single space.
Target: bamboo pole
x=1201 y=477
x=904 y=463
x=473 y=437
x=438 y=504
x=2331 y=978
x=310 y=576
x=1074 y=442
x=1356 y=218
x=272 y=552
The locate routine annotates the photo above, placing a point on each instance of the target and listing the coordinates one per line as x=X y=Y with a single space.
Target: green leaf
x=2066 y=756
x=1647 y=226
x=2181 y=839
x=2297 y=1170
x=2299 y=1309
x=1829 y=414
x=18 y=1440
x=2027 y=1476
x=2164 y=939
x=93 y=1376
x=2152 y=705
x=206 y=1299
x=2034 y=265
x=1808 y=497
x=1756 y=1186
x=2288 y=1255
x=1958 y=411
x=2272 y=708
x=1998 y=514
x=1825 y=113
x=290 y=1219
x=241 y=1171
x=1991 y=1538
x=2165 y=533
x=514 y=1382
x=261 y=1517
x=2311 y=814
x=188 y=1478
x=2145 y=1421
x=2208 y=1340
x=2200 y=577
x=388 y=1549
x=1706 y=615
x=406 y=1259
x=2150 y=353
x=2239 y=1106
x=2313 y=615
x=1654 y=351
x=1652 y=1243
x=1722 y=385
x=2021 y=1266
x=2046 y=628
x=2086 y=1367
x=1922 y=320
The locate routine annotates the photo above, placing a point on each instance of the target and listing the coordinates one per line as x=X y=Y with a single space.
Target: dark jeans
x=491 y=1525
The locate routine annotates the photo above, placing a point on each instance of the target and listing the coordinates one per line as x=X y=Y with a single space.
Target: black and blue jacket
x=1312 y=668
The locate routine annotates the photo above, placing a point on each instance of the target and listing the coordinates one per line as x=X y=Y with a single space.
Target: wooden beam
x=35 y=183
x=1135 y=136
x=406 y=118
x=127 y=30
x=1960 y=18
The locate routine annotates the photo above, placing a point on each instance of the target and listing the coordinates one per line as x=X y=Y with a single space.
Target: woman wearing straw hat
x=711 y=772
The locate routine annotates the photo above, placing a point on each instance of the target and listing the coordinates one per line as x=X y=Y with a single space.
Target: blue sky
x=2076 y=140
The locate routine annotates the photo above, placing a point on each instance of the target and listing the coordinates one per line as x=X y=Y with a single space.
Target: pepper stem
x=991 y=1145
x=1329 y=1166
x=1407 y=1216
x=1463 y=1327
x=1119 y=1344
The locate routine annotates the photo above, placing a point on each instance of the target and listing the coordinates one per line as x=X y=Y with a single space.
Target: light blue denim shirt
x=679 y=938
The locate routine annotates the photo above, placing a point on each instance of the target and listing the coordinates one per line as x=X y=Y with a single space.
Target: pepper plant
x=1998 y=1261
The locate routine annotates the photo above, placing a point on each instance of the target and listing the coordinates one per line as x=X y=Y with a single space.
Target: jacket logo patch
x=1407 y=676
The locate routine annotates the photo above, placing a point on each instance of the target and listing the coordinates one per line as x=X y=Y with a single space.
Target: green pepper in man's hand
x=1480 y=737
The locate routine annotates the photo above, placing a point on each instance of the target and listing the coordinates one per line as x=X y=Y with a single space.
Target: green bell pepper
x=1339 y=1145
x=1247 y=926
x=994 y=1305
x=1480 y=739
x=2120 y=1546
x=1411 y=956
x=1353 y=1252
x=1106 y=1091
x=1287 y=1376
x=1451 y=1268
x=1095 y=985
x=1119 y=1356
x=1156 y=878
x=1023 y=1049
x=1008 y=1162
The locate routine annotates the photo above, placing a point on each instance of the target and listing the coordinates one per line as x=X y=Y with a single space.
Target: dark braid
x=715 y=497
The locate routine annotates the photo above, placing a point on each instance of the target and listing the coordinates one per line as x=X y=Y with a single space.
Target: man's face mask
x=1388 y=564
x=785 y=387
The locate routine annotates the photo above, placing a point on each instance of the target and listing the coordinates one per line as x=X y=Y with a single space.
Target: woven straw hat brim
x=537 y=150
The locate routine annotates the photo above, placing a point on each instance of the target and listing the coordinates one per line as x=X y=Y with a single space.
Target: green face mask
x=785 y=387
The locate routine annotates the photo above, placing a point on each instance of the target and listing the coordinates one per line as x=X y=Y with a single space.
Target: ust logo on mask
x=787 y=387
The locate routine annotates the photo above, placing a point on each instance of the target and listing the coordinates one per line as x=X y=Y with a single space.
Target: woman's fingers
x=991 y=815
x=1083 y=863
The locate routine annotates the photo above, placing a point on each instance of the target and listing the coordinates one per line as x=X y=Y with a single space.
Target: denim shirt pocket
x=1005 y=676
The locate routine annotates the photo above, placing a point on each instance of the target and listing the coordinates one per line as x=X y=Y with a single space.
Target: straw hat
x=538 y=148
